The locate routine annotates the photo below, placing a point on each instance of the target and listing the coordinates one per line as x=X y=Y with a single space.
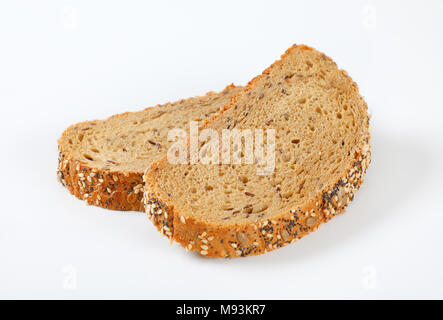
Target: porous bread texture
x=322 y=152
x=103 y=161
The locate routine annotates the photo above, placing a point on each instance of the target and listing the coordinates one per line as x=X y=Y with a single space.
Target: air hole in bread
x=88 y=157
x=287 y=194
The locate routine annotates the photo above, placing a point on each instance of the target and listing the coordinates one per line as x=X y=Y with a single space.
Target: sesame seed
x=203 y=252
x=183 y=220
x=204 y=247
x=234 y=245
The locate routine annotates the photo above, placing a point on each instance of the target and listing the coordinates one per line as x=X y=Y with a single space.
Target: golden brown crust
x=253 y=238
x=105 y=188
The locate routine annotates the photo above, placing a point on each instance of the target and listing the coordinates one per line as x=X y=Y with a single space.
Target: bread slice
x=322 y=150
x=103 y=161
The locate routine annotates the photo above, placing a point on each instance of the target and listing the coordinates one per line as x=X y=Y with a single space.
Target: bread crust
x=253 y=238
x=106 y=188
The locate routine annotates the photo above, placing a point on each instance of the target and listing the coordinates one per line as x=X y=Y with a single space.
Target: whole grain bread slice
x=103 y=161
x=322 y=150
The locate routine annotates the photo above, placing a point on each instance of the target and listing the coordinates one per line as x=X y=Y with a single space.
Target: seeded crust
x=108 y=186
x=263 y=235
x=104 y=188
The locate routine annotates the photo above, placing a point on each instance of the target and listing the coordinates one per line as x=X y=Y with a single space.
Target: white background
x=63 y=62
